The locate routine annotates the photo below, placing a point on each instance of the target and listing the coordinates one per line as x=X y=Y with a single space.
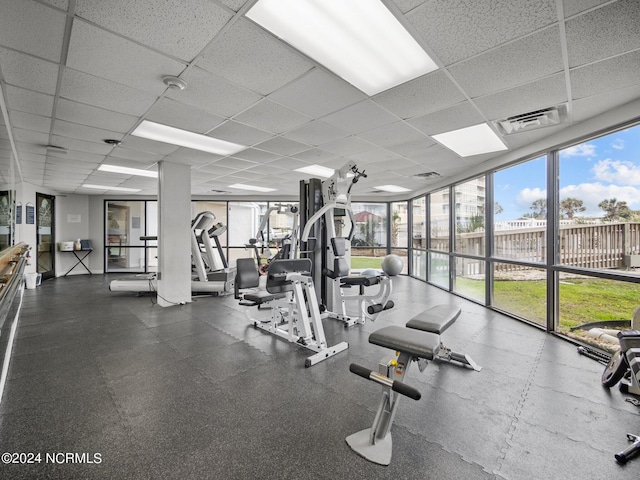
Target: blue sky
x=599 y=169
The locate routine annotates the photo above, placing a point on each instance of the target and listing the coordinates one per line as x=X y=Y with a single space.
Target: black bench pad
x=415 y=343
x=435 y=319
x=366 y=280
x=262 y=296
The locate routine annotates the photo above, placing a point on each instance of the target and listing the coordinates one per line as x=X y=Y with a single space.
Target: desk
x=80 y=256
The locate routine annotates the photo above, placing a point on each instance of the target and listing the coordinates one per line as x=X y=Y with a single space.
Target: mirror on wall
x=7 y=189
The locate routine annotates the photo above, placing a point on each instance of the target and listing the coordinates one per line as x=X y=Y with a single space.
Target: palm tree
x=570 y=206
x=613 y=209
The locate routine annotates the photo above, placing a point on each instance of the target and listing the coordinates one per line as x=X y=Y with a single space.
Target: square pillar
x=174 y=234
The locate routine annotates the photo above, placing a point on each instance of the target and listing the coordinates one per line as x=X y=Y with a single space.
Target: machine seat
x=364 y=280
x=435 y=319
x=262 y=296
x=415 y=343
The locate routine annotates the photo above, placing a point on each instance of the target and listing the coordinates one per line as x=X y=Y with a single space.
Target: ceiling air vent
x=427 y=175
x=219 y=191
x=546 y=117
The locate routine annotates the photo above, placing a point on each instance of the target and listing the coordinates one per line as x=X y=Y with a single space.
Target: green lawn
x=366 y=262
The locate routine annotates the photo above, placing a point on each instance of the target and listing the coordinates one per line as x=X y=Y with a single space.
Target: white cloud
x=592 y=194
x=618 y=144
x=527 y=196
x=582 y=150
x=617 y=171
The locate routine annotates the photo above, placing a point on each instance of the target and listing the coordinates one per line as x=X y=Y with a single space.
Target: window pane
x=245 y=222
x=419 y=264
x=419 y=227
x=521 y=291
x=588 y=299
x=370 y=224
x=125 y=259
x=439 y=269
x=125 y=224
x=219 y=209
x=399 y=225
x=363 y=258
x=599 y=202
x=469 y=221
x=470 y=278
x=520 y=212
x=439 y=220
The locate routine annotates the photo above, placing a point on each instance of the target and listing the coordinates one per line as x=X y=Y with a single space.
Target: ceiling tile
x=612 y=74
x=103 y=54
x=316 y=133
x=215 y=169
x=461 y=116
x=28 y=72
x=255 y=155
x=288 y=163
x=392 y=134
x=585 y=108
x=62 y=4
x=32 y=28
x=316 y=155
x=239 y=133
x=28 y=101
x=233 y=4
x=543 y=93
x=412 y=149
x=80 y=145
x=82 y=132
x=249 y=56
x=420 y=96
x=213 y=94
x=235 y=163
x=459 y=29
x=407 y=5
x=99 y=92
x=347 y=146
x=360 y=117
x=151 y=146
x=602 y=33
x=282 y=146
x=30 y=136
x=522 y=61
x=29 y=121
x=137 y=155
x=317 y=93
x=93 y=116
x=78 y=155
x=169 y=112
x=271 y=116
x=181 y=29
x=572 y=7
x=193 y=157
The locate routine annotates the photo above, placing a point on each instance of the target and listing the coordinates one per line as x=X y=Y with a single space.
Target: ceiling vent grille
x=427 y=175
x=546 y=117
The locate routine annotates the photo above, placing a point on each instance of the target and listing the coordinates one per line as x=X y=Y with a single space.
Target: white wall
x=72 y=222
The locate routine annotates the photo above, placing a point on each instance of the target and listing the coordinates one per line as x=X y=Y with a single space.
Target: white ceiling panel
x=407 y=5
x=317 y=93
x=459 y=29
x=30 y=136
x=102 y=54
x=316 y=133
x=29 y=101
x=412 y=149
x=288 y=163
x=235 y=163
x=213 y=94
x=29 y=72
x=423 y=95
x=589 y=36
x=272 y=117
x=93 y=116
x=572 y=7
x=249 y=56
x=613 y=74
x=62 y=4
x=535 y=56
x=169 y=112
x=82 y=132
x=151 y=146
x=239 y=133
x=178 y=28
x=137 y=155
x=255 y=155
x=316 y=155
x=588 y=107
x=32 y=28
x=393 y=134
x=460 y=116
x=193 y=157
x=29 y=121
x=282 y=146
x=80 y=145
x=85 y=88
x=360 y=117
x=346 y=146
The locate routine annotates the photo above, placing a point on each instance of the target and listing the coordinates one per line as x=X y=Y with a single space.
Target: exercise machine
x=418 y=342
x=295 y=314
x=287 y=245
x=210 y=271
x=325 y=209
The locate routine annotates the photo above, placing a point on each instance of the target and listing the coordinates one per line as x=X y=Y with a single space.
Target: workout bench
x=419 y=342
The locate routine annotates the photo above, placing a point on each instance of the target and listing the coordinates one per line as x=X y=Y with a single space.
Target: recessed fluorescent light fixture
x=471 y=140
x=184 y=138
x=251 y=187
x=392 y=188
x=359 y=40
x=318 y=170
x=128 y=171
x=104 y=187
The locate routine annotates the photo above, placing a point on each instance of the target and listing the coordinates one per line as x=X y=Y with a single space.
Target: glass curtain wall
x=419 y=238
x=369 y=243
x=399 y=226
x=244 y=236
x=125 y=222
x=439 y=238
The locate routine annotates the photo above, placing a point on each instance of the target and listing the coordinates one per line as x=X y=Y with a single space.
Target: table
x=80 y=256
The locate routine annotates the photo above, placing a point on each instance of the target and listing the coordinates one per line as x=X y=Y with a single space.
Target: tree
x=613 y=209
x=539 y=208
x=570 y=206
x=497 y=208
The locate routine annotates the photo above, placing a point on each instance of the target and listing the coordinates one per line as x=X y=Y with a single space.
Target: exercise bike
x=624 y=367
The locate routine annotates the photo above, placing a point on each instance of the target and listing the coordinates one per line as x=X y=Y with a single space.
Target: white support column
x=174 y=231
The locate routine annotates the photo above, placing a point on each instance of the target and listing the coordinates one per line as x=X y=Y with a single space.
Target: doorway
x=45 y=222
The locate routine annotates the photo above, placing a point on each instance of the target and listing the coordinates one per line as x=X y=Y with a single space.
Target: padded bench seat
x=262 y=296
x=415 y=343
x=364 y=280
x=435 y=319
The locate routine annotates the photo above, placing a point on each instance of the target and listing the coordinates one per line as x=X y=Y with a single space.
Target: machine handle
x=396 y=386
x=630 y=451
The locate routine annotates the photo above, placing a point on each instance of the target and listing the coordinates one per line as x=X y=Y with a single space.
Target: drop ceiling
x=76 y=72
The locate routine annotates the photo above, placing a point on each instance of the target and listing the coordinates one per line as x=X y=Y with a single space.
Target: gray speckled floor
x=195 y=392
